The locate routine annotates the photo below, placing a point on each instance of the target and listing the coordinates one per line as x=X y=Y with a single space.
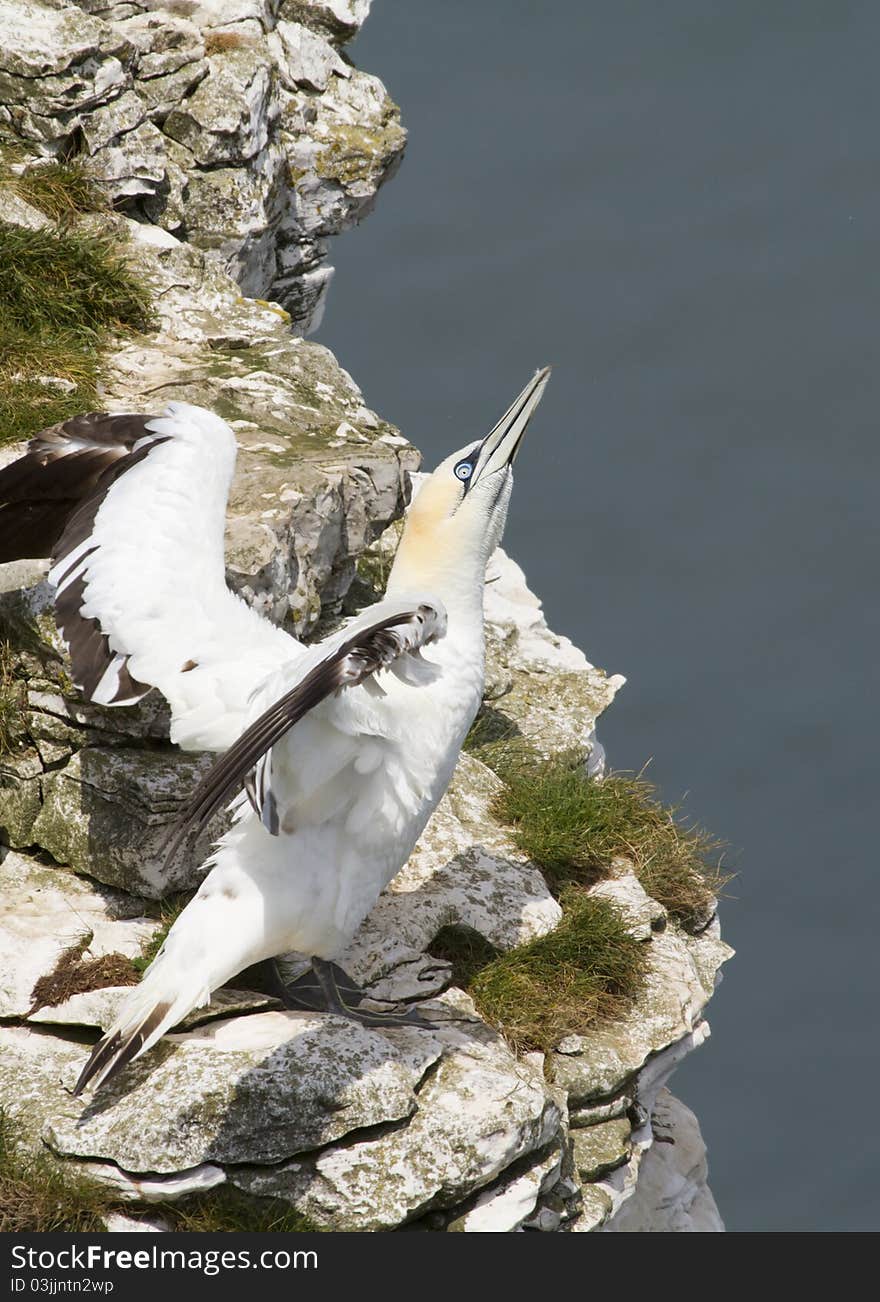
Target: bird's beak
x=501 y=444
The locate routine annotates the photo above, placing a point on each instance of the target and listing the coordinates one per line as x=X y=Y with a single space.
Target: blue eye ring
x=463 y=471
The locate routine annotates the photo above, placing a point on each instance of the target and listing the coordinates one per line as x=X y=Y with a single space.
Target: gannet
x=335 y=754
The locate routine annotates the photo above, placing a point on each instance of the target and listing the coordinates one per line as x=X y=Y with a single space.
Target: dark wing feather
x=63 y=467
x=48 y=502
x=370 y=649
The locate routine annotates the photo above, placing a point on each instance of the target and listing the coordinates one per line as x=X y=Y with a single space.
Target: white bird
x=336 y=753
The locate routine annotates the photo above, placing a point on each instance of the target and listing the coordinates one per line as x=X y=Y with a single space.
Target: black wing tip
x=98 y=1058
x=372 y=648
x=117 y=1052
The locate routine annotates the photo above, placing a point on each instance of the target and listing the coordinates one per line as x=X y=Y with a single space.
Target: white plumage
x=156 y=581
x=335 y=754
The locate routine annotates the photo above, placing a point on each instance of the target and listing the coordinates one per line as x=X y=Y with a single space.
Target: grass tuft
x=61 y=293
x=588 y=971
x=13 y=703
x=167 y=911
x=60 y=190
x=228 y=1209
x=38 y=1195
x=573 y=828
x=62 y=281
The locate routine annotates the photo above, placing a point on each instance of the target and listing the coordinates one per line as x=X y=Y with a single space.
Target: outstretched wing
x=132 y=511
x=388 y=635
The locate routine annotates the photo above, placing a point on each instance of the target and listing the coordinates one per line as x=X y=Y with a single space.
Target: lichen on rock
x=241 y=127
x=233 y=141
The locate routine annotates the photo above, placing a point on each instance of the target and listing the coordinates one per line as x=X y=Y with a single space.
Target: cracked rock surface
x=242 y=127
x=365 y=1129
x=234 y=139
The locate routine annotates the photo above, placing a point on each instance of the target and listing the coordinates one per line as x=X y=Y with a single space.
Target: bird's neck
x=457 y=580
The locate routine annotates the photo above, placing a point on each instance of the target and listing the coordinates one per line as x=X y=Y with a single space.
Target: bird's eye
x=464 y=470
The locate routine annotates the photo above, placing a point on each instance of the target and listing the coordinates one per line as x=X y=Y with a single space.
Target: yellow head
x=457 y=518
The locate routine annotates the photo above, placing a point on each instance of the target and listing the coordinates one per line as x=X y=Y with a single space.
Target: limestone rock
x=241 y=125
x=155 y=1188
x=678 y=987
x=340 y=19
x=672 y=1195
x=32 y=1062
x=56 y=65
x=227 y=118
x=537 y=680
x=16 y=212
x=509 y=1204
x=110 y=813
x=258 y=1088
x=623 y=889
x=117 y=1223
x=603 y=1198
x=478 y=1112
x=304 y=58
x=99 y=1008
x=599 y=1149
x=46 y=910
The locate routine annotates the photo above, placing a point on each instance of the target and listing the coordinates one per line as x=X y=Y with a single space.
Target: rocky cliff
x=232 y=139
x=240 y=126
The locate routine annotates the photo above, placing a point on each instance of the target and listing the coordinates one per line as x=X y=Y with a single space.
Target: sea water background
x=678 y=206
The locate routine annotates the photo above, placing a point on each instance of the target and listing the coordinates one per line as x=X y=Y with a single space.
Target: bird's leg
x=345 y=997
x=304 y=994
x=326 y=988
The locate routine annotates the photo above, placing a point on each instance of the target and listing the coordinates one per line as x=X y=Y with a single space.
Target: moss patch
x=61 y=293
x=74 y=975
x=587 y=971
x=37 y=1195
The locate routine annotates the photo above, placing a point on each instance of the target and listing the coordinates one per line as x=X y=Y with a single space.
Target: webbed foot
x=327 y=988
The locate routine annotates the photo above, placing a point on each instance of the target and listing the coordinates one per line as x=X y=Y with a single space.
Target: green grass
x=229 y=1210
x=167 y=911
x=27 y=402
x=590 y=969
x=573 y=828
x=62 y=293
x=58 y=189
x=63 y=281
x=586 y=972
x=38 y=1195
x=13 y=703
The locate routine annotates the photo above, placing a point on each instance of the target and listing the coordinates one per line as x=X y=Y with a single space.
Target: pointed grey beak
x=501 y=444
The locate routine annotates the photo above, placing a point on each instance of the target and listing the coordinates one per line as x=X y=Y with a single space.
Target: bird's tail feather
x=165 y=995
x=228 y=925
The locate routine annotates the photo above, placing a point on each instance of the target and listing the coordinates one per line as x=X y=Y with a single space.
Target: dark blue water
x=678 y=206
